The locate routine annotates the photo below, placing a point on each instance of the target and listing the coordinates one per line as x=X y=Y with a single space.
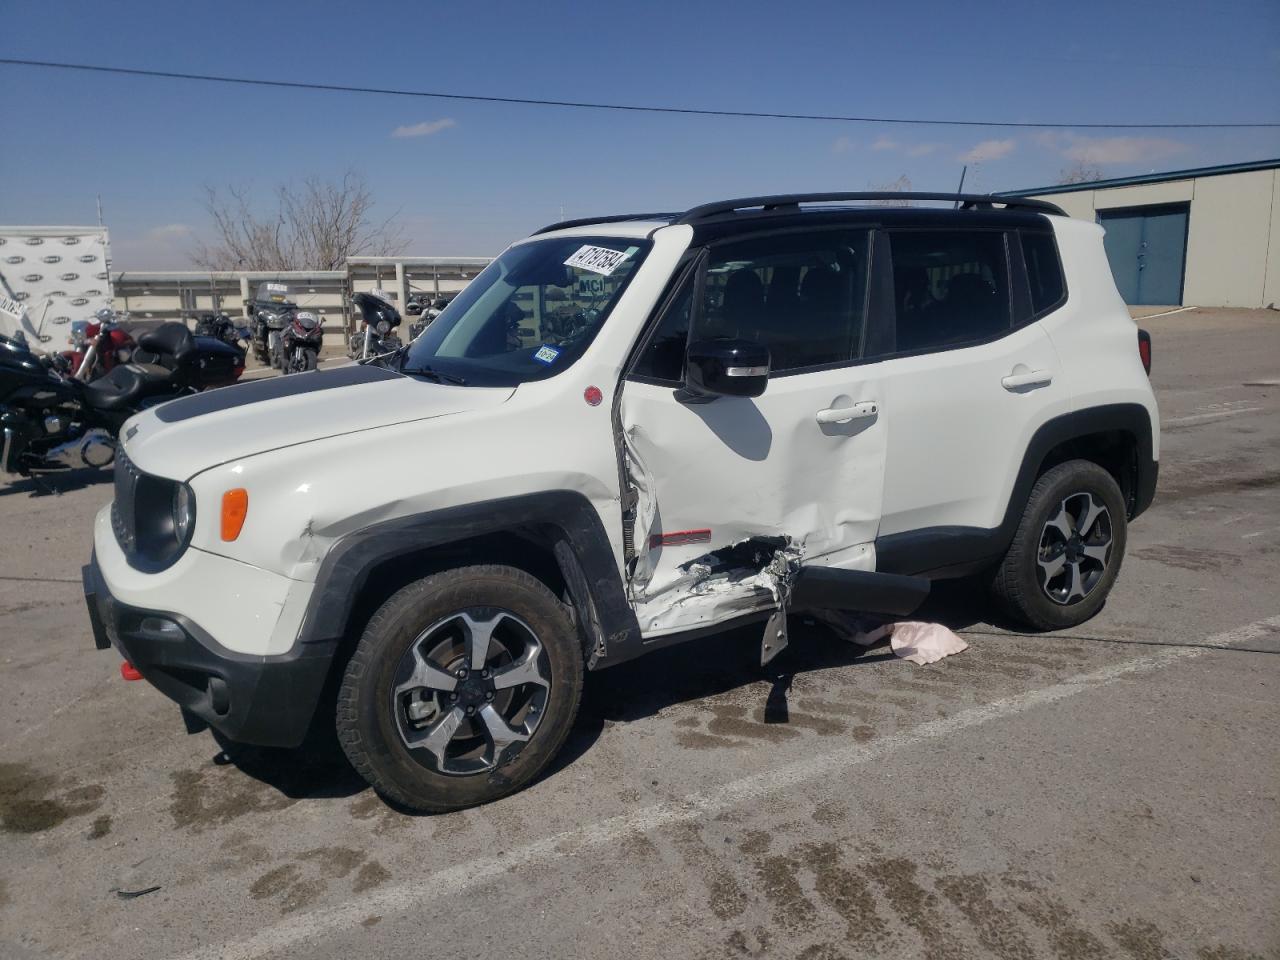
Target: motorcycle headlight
x=184 y=512
x=124 y=354
x=383 y=327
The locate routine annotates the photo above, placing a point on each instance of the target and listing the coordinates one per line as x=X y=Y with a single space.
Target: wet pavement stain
x=101 y=827
x=1140 y=939
x=916 y=907
x=31 y=801
x=211 y=797
x=372 y=874
x=848 y=894
x=370 y=922
x=996 y=929
x=371 y=807
x=1067 y=938
x=1186 y=558
x=5 y=899
x=334 y=862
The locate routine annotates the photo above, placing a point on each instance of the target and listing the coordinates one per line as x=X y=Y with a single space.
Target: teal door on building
x=1147 y=248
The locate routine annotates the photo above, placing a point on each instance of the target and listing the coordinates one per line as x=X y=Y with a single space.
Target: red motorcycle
x=98 y=346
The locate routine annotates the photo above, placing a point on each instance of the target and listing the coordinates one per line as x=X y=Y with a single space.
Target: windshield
x=528 y=315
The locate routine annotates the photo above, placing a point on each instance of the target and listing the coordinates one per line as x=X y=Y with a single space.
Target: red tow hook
x=129 y=671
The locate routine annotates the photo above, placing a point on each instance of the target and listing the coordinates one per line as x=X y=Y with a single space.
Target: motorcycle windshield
x=531 y=313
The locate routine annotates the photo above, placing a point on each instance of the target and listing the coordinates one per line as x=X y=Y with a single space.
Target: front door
x=730 y=486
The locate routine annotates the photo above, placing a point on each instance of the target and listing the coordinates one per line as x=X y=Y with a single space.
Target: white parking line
x=1204 y=417
x=406 y=897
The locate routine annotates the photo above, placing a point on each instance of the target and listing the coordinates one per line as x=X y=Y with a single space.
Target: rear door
x=798 y=469
x=968 y=377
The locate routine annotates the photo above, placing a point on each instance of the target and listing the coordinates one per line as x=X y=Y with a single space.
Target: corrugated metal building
x=1206 y=237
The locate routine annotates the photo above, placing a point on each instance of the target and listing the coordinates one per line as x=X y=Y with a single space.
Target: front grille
x=125 y=506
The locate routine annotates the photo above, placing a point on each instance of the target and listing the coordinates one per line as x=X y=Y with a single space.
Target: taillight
x=1144 y=350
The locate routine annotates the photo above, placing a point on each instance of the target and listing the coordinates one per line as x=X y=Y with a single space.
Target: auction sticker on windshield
x=599 y=260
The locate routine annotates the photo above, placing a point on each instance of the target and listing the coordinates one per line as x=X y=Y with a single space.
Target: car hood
x=180 y=438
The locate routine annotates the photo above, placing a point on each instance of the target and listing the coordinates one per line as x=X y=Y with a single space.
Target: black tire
x=368 y=724
x=1019 y=585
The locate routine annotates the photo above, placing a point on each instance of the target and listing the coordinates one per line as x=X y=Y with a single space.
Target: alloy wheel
x=470 y=691
x=1075 y=548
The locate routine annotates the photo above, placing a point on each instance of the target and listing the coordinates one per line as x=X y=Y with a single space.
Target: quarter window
x=803 y=295
x=1044 y=272
x=951 y=287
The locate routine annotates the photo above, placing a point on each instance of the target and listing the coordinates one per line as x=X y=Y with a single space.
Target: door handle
x=859 y=411
x=1032 y=378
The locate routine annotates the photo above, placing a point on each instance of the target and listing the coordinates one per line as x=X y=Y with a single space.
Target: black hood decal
x=274 y=388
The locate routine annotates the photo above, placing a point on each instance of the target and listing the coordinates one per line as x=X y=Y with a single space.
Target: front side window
x=528 y=315
x=803 y=295
x=950 y=287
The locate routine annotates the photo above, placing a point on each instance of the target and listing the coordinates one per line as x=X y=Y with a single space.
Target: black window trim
x=698 y=264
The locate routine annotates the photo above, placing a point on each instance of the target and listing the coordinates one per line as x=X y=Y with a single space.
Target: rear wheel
x=462 y=688
x=1067 y=551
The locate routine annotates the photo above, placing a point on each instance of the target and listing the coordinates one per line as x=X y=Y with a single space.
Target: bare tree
x=901 y=185
x=313 y=226
x=1080 y=172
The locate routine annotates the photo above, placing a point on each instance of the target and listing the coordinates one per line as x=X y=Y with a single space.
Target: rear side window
x=1044 y=271
x=803 y=295
x=951 y=287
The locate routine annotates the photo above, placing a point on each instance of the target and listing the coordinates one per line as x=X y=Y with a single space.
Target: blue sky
x=466 y=178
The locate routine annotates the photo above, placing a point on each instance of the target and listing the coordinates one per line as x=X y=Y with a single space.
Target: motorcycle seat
x=172 y=339
x=126 y=385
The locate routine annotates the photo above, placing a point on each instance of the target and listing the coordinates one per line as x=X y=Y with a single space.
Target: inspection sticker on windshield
x=547 y=354
x=599 y=260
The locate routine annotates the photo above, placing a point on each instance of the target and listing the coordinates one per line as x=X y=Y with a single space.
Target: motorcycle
x=219 y=326
x=300 y=343
x=52 y=421
x=378 y=318
x=97 y=346
x=270 y=311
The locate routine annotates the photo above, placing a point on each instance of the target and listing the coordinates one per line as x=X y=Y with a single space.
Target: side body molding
x=582 y=550
x=942 y=552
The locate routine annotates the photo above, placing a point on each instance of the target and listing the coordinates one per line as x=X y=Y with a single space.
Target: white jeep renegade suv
x=627 y=432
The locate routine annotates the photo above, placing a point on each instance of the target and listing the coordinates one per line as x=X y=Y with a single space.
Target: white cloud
x=988 y=150
x=1100 y=150
x=885 y=143
x=843 y=145
x=921 y=149
x=424 y=129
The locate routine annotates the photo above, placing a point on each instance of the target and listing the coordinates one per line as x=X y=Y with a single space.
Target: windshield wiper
x=435 y=375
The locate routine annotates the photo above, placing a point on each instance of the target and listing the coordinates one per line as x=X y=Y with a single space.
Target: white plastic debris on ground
x=915 y=641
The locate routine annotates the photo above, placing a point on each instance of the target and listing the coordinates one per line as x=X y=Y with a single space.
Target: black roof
x=749 y=210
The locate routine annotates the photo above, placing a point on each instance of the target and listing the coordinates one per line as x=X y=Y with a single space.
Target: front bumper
x=264 y=700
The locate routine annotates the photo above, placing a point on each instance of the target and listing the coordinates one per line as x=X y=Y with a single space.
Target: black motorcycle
x=219 y=326
x=269 y=313
x=50 y=421
x=378 y=319
x=300 y=343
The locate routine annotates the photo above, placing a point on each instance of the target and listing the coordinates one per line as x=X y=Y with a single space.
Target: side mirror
x=727 y=368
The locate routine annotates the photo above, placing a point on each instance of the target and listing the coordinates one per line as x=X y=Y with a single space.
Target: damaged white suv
x=625 y=433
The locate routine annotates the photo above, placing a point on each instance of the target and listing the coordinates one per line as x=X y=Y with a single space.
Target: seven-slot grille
x=124 y=507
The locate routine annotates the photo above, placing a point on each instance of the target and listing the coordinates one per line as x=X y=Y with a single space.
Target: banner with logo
x=57 y=274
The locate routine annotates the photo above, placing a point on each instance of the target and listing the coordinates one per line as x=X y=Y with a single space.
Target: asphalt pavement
x=1106 y=792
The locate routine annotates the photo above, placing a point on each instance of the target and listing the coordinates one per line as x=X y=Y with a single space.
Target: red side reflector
x=1144 y=350
x=678 y=538
x=129 y=671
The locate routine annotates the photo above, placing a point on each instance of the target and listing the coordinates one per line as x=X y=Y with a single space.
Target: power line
x=631 y=107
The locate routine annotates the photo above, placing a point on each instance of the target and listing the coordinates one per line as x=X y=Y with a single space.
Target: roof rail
x=790 y=202
x=615 y=218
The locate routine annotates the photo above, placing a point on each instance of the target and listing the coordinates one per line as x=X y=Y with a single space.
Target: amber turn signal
x=235 y=507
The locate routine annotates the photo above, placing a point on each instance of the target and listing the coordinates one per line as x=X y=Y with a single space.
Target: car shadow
x=55 y=484
x=705 y=667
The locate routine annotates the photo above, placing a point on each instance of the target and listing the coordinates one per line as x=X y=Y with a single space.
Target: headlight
x=123 y=354
x=184 y=512
x=384 y=326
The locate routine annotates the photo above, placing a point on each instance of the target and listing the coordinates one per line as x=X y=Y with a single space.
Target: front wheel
x=461 y=690
x=1066 y=553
